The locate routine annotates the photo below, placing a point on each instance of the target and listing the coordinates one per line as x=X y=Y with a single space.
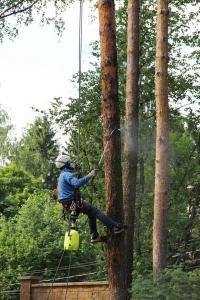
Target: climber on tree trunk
x=68 y=192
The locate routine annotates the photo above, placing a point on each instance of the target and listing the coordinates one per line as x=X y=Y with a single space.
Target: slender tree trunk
x=131 y=129
x=139 y=205
x=162 y=143
x=112 y=158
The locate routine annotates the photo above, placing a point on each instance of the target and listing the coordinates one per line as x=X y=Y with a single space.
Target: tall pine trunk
x=139 y=205
x=131 y=129
x=162 y=143
x=112 y=158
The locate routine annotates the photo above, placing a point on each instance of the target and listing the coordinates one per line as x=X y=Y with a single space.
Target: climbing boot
x=119 y=228
x=95 y=238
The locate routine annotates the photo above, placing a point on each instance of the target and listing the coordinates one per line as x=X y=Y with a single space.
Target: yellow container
x=71 y=241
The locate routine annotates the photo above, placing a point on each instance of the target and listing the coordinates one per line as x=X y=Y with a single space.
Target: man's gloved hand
x=93 y=173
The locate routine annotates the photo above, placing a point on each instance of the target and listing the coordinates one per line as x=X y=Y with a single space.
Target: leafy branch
x=13 y=9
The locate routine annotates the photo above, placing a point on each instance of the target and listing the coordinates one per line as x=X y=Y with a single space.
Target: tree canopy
x=14 y=13
x=30 y=220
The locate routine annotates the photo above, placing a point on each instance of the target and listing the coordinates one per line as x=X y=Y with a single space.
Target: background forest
x=32 y=228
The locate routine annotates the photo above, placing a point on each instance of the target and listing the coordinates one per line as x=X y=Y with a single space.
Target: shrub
x=171 y=285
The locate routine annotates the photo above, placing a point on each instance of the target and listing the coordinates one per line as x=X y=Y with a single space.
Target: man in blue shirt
x=67 y=187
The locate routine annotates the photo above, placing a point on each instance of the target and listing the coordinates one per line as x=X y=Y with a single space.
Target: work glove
x=93 y=173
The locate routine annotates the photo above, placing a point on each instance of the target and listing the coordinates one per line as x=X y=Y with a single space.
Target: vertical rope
x=79 y=72
x=79 y=110
x=55 y=274
x=78 y=146
x=70 y=261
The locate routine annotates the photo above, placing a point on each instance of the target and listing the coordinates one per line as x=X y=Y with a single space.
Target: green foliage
x=24 y=12
x=7 y=258
x=35 y=151
x=15 y=187
x=172 y=284
x=5 y=128
x=183 y=205
x=39 y=231
x=33 y=240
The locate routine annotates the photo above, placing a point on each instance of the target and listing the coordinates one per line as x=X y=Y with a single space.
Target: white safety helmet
x=61 y=160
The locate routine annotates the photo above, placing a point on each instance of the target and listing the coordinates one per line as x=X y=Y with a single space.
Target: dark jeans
x=93 y=213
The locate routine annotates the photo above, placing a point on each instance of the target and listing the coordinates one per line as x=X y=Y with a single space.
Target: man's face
x=72 y=165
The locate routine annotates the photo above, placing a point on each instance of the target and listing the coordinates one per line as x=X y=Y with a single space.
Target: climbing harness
x=71 y=210
x=71 y=240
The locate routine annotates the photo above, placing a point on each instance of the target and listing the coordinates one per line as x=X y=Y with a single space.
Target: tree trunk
x=131 y=129
x=139 y=205
x=162 y=143
x=112 y=158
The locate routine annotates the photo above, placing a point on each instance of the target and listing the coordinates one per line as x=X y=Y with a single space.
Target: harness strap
x=77 y=197
x=72 y=207
x=70 y=212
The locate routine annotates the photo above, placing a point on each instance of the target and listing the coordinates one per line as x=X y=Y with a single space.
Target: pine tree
x=131 y=129
x=162 y=139
x=112 y=158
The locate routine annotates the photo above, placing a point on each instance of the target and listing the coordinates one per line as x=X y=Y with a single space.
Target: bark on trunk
x=162 y=144
x=112 y=158
x=131 y=129
x=139 y=205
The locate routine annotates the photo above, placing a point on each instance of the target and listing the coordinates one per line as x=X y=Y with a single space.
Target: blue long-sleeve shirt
x=67 y=183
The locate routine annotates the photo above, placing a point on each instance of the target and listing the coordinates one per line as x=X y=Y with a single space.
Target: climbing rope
x=78 y=139
x=106 y=145
x=70 y=261
x=79 y=72
x=55 y=274
x=69 y=269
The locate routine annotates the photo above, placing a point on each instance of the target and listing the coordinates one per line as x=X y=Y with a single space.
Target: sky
x=36 y=66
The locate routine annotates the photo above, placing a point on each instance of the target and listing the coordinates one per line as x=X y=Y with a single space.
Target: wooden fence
x=32 y=289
